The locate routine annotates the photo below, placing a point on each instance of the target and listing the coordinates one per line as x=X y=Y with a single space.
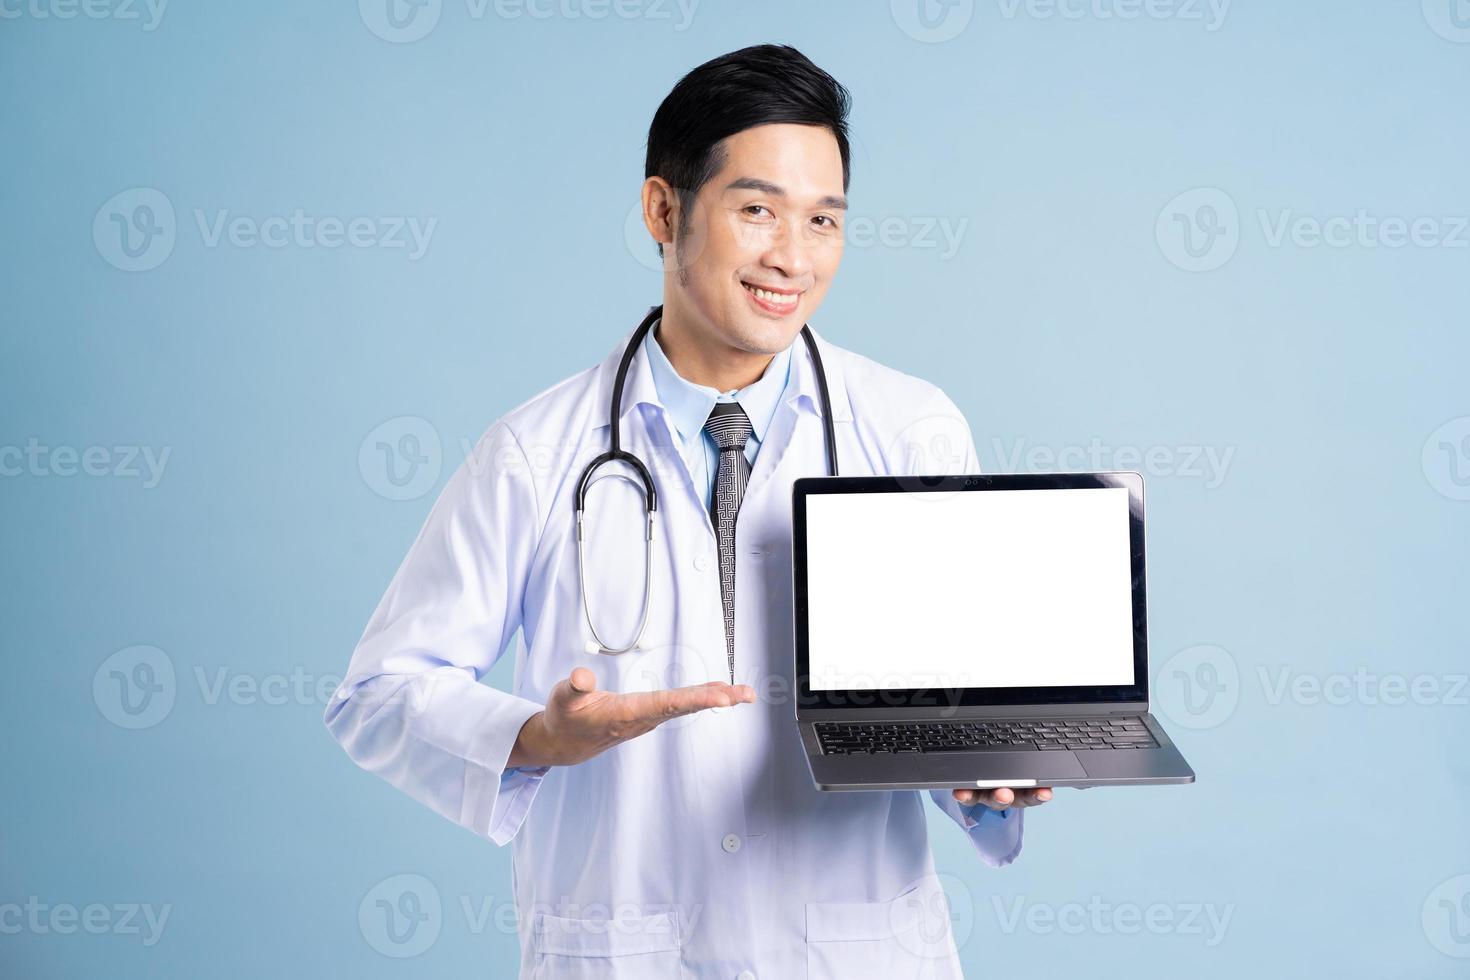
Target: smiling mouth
x=773 y=300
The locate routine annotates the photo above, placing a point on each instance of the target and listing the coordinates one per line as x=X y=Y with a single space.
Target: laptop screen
x=1012 y=588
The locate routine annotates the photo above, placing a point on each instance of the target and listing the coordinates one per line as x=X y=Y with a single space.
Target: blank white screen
x=984 y=588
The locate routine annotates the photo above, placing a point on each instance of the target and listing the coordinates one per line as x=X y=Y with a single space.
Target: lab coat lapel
x=796 y=420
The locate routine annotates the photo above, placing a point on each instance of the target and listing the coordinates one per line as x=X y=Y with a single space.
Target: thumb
x=582 y=681
x=568 y=693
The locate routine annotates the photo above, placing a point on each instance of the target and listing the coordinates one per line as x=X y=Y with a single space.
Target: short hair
x=765 y=83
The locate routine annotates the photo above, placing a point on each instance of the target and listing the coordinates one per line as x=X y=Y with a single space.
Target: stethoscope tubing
x=650 y=494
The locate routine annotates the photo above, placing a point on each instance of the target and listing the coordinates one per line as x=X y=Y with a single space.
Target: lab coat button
x=745 y=975
x=701 y=563
x=731 y=843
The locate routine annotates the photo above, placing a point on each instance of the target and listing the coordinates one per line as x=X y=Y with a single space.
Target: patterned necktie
x=730 y=428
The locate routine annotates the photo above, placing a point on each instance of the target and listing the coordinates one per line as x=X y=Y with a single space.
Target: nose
x=788 y=253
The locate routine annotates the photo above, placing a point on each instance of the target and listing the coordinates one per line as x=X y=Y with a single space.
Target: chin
x=760 y=336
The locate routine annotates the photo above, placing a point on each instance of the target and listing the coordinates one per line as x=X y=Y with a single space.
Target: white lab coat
x=701 y=849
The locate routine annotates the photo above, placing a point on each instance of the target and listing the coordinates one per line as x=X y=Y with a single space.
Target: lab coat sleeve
x=996 y=835
x=412 y=708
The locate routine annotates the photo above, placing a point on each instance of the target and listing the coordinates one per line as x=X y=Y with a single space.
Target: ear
x=660 y=209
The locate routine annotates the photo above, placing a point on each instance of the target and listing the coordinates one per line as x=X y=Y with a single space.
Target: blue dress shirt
x=689 y=405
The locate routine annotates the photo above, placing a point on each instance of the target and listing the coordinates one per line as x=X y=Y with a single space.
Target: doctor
x=664 y=820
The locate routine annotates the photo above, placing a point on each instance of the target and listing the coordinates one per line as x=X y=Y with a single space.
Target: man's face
x=763 y=240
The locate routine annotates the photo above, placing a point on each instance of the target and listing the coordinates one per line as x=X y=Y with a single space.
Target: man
x=657 y=834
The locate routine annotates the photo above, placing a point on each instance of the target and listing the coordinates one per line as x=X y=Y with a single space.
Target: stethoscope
x=650 y=497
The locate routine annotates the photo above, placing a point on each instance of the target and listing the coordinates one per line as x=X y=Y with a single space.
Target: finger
x=717 y=694
x=1028 y=798
x=995 y=799
x=657 y=706
x=733 y=693
x=567 y=693
x=1032 y=797
x=583 y=681
x=741 y=693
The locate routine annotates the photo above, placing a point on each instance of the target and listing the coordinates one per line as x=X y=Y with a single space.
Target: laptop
x=974 y=631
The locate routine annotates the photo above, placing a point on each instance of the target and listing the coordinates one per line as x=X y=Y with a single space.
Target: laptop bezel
x=930 y=699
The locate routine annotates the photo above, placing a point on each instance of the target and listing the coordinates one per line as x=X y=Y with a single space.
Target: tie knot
x=728 y=425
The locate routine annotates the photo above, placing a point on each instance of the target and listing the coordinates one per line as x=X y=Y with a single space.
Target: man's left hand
x=1004 y=798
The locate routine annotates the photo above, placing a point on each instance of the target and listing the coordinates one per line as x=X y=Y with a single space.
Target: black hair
x=766 y=83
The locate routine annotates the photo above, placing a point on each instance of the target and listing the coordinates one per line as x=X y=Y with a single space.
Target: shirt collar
x=689 y=404
x=801 y=390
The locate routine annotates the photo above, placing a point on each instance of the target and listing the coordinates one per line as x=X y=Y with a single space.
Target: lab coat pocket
x=908 y=937
x=614 y=948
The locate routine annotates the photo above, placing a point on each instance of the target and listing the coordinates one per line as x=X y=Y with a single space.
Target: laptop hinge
x=897 y=713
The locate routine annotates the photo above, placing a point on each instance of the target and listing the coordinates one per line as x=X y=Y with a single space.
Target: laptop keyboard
x=841 y=738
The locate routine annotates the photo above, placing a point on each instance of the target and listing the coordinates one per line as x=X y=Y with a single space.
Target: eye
x=751 y=208
x=831 y=221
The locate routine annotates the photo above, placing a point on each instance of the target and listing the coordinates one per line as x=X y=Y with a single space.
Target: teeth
x=780 y=299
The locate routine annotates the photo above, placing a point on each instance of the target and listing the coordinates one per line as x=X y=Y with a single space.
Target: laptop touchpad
x=963 y=767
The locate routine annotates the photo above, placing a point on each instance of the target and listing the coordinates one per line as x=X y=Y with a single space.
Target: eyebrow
x=775 y=190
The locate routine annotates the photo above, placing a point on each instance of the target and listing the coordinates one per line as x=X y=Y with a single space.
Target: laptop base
x=989 y=768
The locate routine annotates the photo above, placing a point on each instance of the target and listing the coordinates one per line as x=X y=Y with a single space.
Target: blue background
x=1334 y=541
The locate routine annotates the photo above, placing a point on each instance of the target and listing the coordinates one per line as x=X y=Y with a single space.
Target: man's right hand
x=580 y=721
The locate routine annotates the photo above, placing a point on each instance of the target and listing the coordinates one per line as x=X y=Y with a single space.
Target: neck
x=702 y=358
